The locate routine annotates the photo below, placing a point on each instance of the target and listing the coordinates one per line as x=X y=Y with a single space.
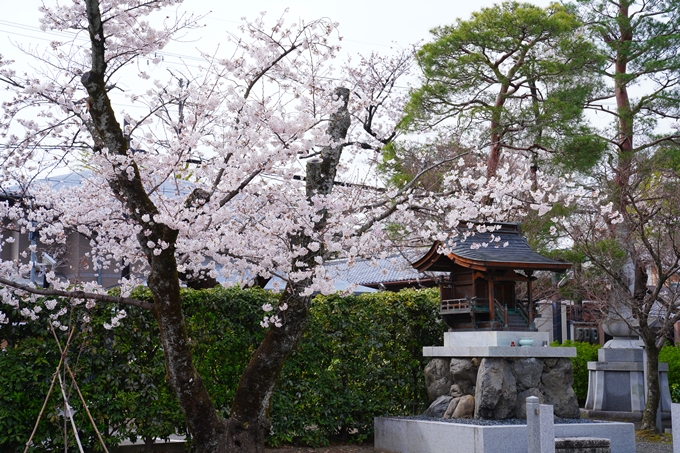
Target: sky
x=365 y=25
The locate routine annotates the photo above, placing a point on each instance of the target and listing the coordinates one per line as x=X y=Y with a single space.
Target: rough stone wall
x=499 y=386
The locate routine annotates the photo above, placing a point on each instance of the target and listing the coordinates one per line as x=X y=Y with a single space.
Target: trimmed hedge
x=585 y=352
x=120 y=373
x=671 y=355
x=361 y=357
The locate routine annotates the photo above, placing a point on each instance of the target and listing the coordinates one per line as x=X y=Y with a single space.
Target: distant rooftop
x=393 y=269
x=170 y=187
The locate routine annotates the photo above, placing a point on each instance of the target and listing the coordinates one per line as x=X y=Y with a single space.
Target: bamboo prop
x=49 y=392
x=69 y=414
x=82 y=399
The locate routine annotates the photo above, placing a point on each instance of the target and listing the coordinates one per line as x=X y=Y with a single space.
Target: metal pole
x=34 y=258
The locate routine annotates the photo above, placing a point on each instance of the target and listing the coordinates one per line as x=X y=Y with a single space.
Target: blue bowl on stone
x=526 y=341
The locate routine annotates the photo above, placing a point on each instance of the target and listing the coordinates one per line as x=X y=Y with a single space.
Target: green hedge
x=120 y=373
x=585 y=352
x=671 y=355
x=361 y=357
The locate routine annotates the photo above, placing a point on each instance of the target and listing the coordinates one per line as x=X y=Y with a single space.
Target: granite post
x=540 y=427
x=675 y=420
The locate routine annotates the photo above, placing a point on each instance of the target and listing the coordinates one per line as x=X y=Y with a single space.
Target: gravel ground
x=653 y=447
x=654 y=444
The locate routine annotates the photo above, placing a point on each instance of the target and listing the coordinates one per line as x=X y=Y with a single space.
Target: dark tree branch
x=78 y=294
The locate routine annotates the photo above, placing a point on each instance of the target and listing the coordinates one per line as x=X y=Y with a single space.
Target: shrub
x=671 y=355
x=121 y=372
x=585 y=352
x=360 y=358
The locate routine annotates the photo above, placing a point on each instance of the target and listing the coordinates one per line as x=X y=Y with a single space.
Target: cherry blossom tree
x=260 y=151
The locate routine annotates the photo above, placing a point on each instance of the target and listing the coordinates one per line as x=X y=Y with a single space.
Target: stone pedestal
x=616 y=382
x=498 y=376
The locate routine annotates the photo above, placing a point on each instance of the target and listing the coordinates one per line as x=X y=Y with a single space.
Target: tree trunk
x=246 y=429
x=653 y=396
x=625 y=152
x=249 y=420
x=204 y=424
x=649 y=338
x=148 y=444
x=496 y=135
x=206 y=427
x=636 y=277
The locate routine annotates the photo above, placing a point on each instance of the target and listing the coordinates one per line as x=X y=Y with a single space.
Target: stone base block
x=493 y=338
x=582 y=445
x=404 y=435
x=620 y=386
x=618 y=415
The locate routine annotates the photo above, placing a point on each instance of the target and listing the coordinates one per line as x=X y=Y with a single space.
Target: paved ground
x=646 y=444
x=660 y=445
x=332 y=449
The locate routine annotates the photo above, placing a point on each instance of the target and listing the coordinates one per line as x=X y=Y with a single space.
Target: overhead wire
x=161 y=53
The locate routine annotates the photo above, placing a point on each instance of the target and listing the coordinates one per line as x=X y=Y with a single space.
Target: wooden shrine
x=484 y=269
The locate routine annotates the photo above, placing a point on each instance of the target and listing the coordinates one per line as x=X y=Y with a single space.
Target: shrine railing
x=522 y=310
x=500 y=312
x=462 y=305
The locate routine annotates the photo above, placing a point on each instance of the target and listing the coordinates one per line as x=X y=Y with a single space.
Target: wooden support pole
x=530 y=299
x=492 y=305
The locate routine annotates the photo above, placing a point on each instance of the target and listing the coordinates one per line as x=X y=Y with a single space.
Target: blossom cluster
x=222 y=154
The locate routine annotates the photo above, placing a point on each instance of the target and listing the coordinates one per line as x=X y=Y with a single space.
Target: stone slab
x=612 y=415
x=497 y=351
x=620 y=387
x=575 y=442
x=675 y=423
x=617 y=391
x=616 y=366
x=623 y=366
x=493 y=338
x=401 y=435
x=619 y=355
x=582 y=445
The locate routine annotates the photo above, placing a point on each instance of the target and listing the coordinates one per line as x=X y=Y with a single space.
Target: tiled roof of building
x=502 y=248
x=395 y=268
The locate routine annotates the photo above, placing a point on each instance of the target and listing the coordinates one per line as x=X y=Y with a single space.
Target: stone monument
x=616 y=382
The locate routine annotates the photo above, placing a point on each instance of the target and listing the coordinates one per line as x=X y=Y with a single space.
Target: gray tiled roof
x=395 y=268
x=507 y=247
x=502 y=248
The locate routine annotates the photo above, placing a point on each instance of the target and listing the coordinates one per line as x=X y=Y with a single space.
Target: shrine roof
x=498 y=246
